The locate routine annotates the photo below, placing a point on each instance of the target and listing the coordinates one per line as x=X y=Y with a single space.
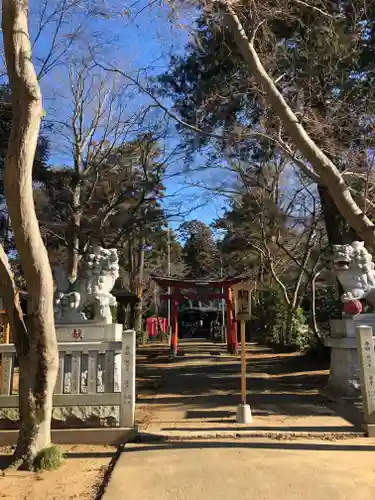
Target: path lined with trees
x=197 y=395
x=274 y=101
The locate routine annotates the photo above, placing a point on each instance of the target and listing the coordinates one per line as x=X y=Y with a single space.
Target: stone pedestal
x=344 y=376
x=342 y=328
x=244 y=414
x=343 y=373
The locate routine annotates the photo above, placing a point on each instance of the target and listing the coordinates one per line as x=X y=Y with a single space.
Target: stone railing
x=87 y=376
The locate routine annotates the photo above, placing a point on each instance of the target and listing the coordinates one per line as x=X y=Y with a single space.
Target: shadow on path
x=201 y=388
x=263 y=444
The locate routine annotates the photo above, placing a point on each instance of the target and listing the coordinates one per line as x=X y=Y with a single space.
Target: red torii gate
x=177 y=286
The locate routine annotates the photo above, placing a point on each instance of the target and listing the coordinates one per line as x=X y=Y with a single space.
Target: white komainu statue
x=98 y=273
x=355 y=271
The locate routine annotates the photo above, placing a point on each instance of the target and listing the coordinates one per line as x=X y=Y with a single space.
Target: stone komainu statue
x=355 y=271
x=98 y=272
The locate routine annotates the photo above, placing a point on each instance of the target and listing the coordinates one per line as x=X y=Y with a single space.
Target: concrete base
x=343 y=372
x=111 y=437
x=95 y=416
x=346 y=327
x=244 y=414
x=369 y=429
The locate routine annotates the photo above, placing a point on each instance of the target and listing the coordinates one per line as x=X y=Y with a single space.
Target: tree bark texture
x=329 y=174
x=338 y=230
x=138 y=318
x=74 y=236
x=38 y=362
x=315 y=326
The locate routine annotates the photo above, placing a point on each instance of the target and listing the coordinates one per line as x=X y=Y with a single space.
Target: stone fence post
x=127 y=407
x=366 y=365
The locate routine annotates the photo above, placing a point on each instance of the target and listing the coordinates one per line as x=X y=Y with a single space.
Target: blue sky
x=145 y=40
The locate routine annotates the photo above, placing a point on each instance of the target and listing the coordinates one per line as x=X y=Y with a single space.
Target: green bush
x=327 y=306
x=270 y=321
x=300 y=335
x=269 y=316
x=49 y=458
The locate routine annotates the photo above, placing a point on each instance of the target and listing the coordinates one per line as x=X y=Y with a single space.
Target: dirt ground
x=81 y=476
x=300 y=444
x=198 y=394
x=83 y=472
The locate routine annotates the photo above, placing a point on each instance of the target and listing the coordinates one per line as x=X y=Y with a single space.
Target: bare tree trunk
x=131 y=263
x=131 y=309
x=39 y=361
x=296 y=299
x=315 y=326
x=338 y=230
x=287 y=334
x=138 y=323
x=323 y=166
x=74 y=243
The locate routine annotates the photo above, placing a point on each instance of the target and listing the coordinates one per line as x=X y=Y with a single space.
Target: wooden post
x=174 y=321
x=366 y=362
x=228 y=337
x=243 y=362
x=243 y=312
x=234 y=337
x=232 y=344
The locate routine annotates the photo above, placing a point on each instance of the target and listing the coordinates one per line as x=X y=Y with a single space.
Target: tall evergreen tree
x=201 y=253
x=324 y=66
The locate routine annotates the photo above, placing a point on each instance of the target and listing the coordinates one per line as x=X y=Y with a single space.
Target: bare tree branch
x=323 y=166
